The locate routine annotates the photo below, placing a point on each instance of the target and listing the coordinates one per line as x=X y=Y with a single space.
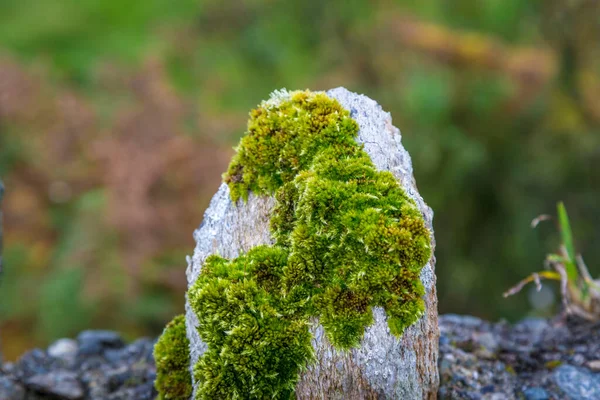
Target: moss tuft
x=347 y=239
x=255 y=348
x=172 y=357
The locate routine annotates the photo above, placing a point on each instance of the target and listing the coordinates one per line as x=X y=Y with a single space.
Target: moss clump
x=347 y=238
x=172 y=357
x=255 y=348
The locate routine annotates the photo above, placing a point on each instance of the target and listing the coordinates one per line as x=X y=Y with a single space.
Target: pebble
x=11 y=390
x=482 y=360
x=536 y=393
x=96 y=366
x=577 y=383
x=64 y=349
x=594 y=365
x=487 y=340
x=32 y=363
x=94 y=342
x=536 y=326
x=63 y=384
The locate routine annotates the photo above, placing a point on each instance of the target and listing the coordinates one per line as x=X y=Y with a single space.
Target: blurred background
x=116 y=122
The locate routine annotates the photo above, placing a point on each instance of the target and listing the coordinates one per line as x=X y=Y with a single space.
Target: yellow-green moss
x=347 y=238
x=172 y=357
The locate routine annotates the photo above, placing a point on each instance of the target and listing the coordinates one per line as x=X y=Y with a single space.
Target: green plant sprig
x=580 y=293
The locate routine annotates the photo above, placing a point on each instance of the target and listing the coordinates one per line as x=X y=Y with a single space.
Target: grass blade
x=567 y=240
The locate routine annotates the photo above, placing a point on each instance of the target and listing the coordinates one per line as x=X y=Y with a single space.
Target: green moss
x=347 y=239
x=255 y=348
x=172 y=357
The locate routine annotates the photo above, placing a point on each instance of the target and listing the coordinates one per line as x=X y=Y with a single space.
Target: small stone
x=96 y=383
x=141 y=392
x=138 y=351
x=578 y=359
x=10 y=390
x=64 y=349
x=535 y=325
x=594 y=365
x=499 y=366
x=444 y=340
x=7 y=368
x=63 y=384
x=113 y=355
x=118 y=378
x=536 y=393
x=33 y=362
x=577 y=383
x=487 y=389
x=94 y=342
x=494 y=396
x=487 y=340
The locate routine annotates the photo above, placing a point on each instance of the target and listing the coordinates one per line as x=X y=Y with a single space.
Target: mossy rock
x=172 y=358
x=313 y=273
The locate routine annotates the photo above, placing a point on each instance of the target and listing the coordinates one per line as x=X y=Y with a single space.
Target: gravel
x=535 y=359
x=96 y=366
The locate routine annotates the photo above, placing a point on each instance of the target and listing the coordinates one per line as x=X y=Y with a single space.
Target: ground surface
x=535 y=359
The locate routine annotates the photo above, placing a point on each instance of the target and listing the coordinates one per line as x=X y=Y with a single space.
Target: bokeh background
x=118 y=118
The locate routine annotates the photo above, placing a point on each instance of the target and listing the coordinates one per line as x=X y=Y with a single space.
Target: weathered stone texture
x=383 y=367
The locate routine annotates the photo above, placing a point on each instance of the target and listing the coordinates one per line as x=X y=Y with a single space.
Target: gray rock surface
x=383 y=367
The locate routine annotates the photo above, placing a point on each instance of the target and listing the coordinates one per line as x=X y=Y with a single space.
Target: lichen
x=172 y=357
x=347 y=239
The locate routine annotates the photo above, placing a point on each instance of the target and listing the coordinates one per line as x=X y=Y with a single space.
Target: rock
x=63 y=384
x=96 y=383
x=383 y=366
x=594 y=365
x=64 y=349
x=34 y=362
x=63 y=372
x=139 y=350
x=11 y=390
x=94 y=342
x=577 y=383
x=488 y=341
x=142 y=392
x=536 y=393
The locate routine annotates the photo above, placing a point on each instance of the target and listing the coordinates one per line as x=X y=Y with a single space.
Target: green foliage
x=74 y=37
x=172 y=357
x=580 y=292
x=347 y=239
x=567 y=241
